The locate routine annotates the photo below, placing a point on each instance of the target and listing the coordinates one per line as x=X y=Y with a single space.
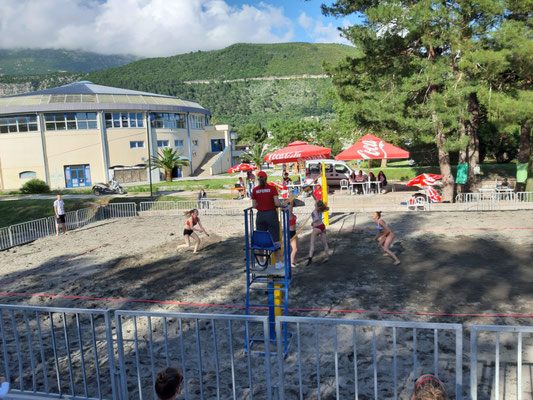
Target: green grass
x=17 y=211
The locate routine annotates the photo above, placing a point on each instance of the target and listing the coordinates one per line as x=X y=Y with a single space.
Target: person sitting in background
x=372 y=179
x=286 y=179
x=360 y=178
x=352 y=177
x=505 y=183
x=429 y=387
x=382 y=178
x=168 y=383
x=241 y=182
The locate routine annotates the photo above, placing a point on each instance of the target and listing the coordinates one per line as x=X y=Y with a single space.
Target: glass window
x=28 y=175
x=162 y=143
x=341 y=169
x=195 y=142
x=18 y=123
x=124 y=120
x=197 y=121
x=136 y=144
x=178 y=143
x=70 y=121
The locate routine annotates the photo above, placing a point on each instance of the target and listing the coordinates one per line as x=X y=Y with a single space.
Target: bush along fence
x=48 y=352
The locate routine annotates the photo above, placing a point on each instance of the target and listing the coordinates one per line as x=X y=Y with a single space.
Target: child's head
x=167 y=383
x=321 y=206
x=429 y=387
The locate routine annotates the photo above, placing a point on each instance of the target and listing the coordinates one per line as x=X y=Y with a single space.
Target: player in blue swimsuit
x=386 y=238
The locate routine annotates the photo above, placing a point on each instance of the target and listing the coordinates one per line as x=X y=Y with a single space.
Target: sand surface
x=451 y=263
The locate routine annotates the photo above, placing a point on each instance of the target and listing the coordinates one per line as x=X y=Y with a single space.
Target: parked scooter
x=111 y=188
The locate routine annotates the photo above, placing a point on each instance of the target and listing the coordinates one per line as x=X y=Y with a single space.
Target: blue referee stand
x=262 y=277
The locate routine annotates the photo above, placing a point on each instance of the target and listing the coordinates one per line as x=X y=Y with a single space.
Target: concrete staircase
x=205 y=166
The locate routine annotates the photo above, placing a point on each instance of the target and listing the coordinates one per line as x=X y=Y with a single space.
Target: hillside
x=45 y=61
x=240 y=101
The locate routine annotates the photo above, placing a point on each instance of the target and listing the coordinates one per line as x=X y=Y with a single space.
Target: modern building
x=79 y=134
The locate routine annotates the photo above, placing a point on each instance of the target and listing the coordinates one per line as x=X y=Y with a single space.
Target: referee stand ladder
x=262 y=278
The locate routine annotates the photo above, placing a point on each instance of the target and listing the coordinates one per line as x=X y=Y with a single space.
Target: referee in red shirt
x=265 y=199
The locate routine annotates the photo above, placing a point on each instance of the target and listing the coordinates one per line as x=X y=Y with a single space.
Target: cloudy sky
x=153 y=28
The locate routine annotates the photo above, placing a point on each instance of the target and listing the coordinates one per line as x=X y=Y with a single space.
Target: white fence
x=48 y=352
x=26 y=232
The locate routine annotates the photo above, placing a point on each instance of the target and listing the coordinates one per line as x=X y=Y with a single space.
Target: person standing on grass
x=250 y=178
x=189 y=228
x=386 y=238
x=59 y=210
x=319 y=229
x=265 y=199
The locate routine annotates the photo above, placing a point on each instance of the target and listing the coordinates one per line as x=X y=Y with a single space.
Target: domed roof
x=85 y=95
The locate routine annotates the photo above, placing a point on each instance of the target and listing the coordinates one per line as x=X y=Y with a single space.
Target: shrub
x=34 y=186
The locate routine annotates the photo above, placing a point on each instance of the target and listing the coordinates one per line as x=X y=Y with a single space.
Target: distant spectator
x=372 y=179
x=59 y=210
x=360 y=178
x=505 y=183
x=241 y=182
x=168 y=383
x=250 y=178
x=286 y=179
x=4 y=387
x=352 y=177
x=411 y=162
x=429 y=387
x=202 y=199
x=382 y=178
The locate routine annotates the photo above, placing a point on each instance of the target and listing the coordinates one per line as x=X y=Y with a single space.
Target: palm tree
x=255 y=154
x=167 y=159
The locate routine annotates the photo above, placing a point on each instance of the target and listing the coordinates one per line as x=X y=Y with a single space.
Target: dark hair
x=190 y=212
x=429 y=387
x=378 y=213
x=321 y=206
x=262 y=181
x=167 y=383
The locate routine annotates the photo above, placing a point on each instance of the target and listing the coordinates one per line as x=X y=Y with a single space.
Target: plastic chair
x=417 y=203
x=263 y=246
x=344 y=185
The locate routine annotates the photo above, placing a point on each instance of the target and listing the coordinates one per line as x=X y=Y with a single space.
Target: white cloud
x=140 y=27
x=320 y=33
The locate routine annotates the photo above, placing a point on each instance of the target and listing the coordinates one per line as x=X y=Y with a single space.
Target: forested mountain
x=45 y=61
x=285 y=90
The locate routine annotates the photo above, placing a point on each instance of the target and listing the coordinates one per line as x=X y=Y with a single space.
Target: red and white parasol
x=241 y=167
x=279 y=186
x=427 y=180
x=424 y=180
x=370 y=147
x=298 y=151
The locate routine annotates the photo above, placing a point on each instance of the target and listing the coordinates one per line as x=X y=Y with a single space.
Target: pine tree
x=410 y=81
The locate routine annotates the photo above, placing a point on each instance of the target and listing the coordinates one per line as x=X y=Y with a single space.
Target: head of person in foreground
x=429 y=387
x=168 y=383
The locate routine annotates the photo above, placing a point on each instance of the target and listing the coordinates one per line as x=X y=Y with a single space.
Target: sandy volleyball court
x=452 y=263
x=455 y=267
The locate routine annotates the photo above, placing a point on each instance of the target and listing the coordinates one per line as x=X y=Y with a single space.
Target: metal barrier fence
x=338 y=358
x=77 y=353
x=499 y=356
x=205 y=207
x=57 y=352
x=208 y=349
x=491 y=201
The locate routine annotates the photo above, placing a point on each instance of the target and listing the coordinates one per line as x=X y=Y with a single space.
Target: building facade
x=80 y=134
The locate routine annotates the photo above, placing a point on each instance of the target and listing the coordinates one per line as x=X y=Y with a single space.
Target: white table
x=363 y=184
x=487 y=193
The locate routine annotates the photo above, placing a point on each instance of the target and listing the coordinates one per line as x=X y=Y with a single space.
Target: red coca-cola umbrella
x=241 y=167
x=279 y=186
x=424 y=180
x=427 y=180
x=298 y=151
x=370 y=147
